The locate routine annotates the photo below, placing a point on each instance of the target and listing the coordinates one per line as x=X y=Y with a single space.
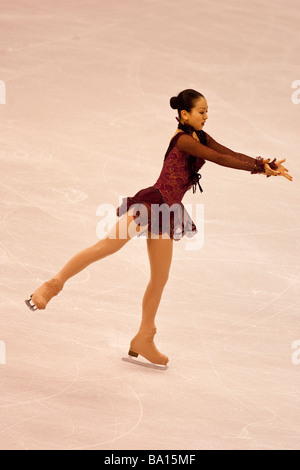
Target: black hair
x=185 y=100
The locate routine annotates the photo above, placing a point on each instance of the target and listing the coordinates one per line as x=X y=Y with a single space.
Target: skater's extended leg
x=108 y=245
x=160 y=256
x=116 y=238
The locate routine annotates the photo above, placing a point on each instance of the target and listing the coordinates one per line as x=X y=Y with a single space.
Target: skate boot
x=143 y=344
x=43 y=294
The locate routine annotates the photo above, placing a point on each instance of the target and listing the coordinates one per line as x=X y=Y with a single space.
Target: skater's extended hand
x=280 y=170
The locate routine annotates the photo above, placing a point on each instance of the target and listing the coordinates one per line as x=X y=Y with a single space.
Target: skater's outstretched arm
x=193 y=147
x=211 y=143
x=239 y=161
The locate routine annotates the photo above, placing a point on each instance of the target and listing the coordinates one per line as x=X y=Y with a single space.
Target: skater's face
x=197 y=115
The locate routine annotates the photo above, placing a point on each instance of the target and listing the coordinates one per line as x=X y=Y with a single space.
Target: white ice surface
x=87 y=121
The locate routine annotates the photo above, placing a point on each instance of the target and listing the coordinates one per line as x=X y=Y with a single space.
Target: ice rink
x=85 y=120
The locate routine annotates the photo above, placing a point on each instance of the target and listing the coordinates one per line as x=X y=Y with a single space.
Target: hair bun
x=174 y=102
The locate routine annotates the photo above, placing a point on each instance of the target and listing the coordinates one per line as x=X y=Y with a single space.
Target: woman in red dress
x=158 y=213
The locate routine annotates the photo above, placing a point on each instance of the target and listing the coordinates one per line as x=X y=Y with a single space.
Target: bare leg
x=160 y=256
x=103 y=248
x=125 y=227
x=160 y=252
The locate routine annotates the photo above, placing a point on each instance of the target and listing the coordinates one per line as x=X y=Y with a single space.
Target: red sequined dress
x=160 y=205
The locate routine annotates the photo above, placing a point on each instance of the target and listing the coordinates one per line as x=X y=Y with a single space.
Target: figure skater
x=188 y=150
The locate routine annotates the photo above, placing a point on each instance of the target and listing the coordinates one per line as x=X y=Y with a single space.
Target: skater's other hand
x=283 y=171
x=280 y=170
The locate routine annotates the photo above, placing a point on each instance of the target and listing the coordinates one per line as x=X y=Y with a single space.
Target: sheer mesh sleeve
x=211 y=143
x=217 y=153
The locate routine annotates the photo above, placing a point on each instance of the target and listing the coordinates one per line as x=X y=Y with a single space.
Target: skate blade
x=30 y=305
x=149 y=365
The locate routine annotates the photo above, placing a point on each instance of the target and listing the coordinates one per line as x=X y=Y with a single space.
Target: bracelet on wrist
x=259 y=165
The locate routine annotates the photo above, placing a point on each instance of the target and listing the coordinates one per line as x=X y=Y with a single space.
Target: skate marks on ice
x=149 y=365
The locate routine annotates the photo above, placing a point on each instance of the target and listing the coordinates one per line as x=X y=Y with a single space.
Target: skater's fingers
x=267 y=166
x=286 y=175
x=289 y=177
x=269 y=171
x=276 y=173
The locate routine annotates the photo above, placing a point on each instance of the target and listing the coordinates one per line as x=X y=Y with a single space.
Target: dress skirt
x=151 y=210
